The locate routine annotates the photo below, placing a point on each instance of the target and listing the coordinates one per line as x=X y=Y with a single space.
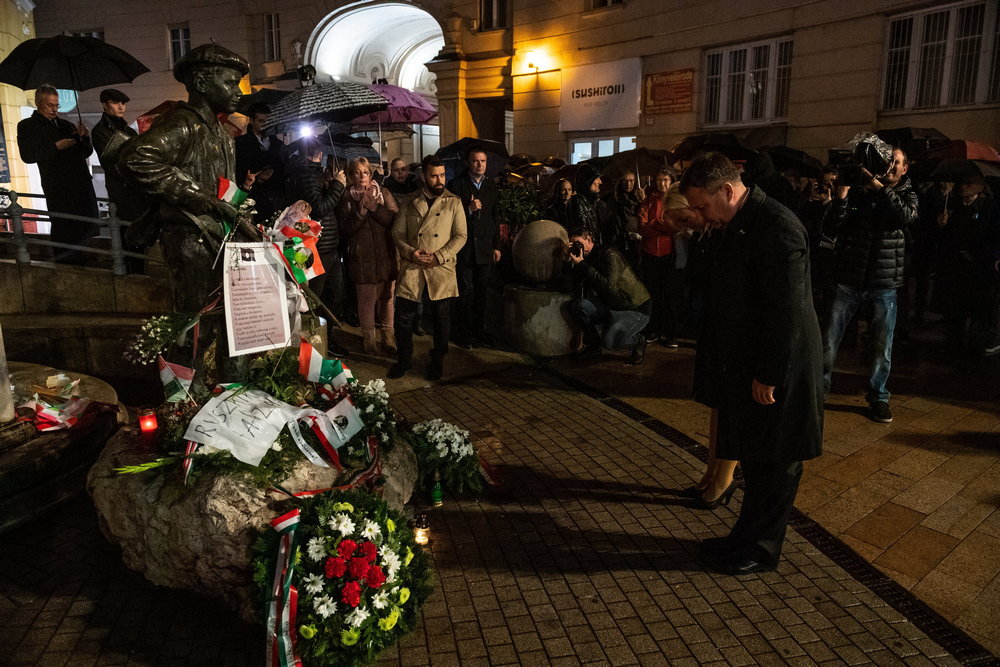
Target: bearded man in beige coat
x=429 y=231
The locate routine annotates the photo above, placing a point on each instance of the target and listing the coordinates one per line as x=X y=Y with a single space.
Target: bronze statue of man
x=177 y=164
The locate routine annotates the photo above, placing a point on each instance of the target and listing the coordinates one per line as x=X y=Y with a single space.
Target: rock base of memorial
x=199 y=537
x=537 y=321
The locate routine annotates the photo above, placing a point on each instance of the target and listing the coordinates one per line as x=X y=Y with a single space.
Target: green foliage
x=319 y=535
x=516 y=206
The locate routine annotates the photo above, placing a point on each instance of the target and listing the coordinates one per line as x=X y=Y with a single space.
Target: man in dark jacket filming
x=612 y=297
x=868 y=220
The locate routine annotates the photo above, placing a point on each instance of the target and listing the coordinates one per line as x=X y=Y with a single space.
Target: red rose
x=334 y=567
x=358 y=568
x=346 y=548
x=351 y=594
x=370 y=551
x=375 y=577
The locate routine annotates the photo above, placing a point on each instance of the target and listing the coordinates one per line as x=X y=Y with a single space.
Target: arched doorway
x=370 y=40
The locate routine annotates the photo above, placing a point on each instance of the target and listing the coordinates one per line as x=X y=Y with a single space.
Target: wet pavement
x=583 y=556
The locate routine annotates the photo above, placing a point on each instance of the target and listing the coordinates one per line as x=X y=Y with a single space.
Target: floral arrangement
x=446 y=449
x=276 y=373
x=360 y=577
x=156 y=335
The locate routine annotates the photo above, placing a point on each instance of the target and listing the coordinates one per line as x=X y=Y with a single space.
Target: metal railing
x=11 y=210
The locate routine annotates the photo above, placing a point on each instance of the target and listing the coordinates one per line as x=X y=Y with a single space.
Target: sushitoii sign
x=601 y=97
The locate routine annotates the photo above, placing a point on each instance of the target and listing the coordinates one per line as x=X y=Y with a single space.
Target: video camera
x=865 y=151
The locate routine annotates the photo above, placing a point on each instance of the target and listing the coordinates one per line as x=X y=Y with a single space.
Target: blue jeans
x=846 y=301
x=622 y=328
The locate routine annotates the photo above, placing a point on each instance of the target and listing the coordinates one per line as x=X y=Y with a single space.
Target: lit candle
x=421 y=529
x=147 y=421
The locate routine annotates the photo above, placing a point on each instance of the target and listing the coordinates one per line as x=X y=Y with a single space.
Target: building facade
x=577 y=78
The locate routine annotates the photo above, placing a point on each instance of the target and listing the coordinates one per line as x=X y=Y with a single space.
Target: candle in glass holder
x=147 y=421
x=421 y=529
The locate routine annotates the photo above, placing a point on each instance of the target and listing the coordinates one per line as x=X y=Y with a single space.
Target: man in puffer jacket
x=868 y=222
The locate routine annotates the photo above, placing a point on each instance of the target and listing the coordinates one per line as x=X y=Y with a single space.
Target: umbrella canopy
x=453 y=155
x=959 y=149
x=954 y=170
x=405 y=108
x=914 y=141
x=646 y=161
x=69 y=62
x=720 y=142
x=144 y=121
x=268 y=96
x=791 y=158
x=332 y=102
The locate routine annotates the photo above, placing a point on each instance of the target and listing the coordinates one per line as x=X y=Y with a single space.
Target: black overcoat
x=482 y=226
x=759 y=323
x=65 y=174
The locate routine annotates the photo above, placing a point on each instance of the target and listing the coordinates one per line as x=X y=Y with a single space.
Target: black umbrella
x=916 y=142
x=453 y=155
x=955 y=170
x=268 y=96
x=792 y=158
x=334 y=102
x=69 y=62
x=718 y=142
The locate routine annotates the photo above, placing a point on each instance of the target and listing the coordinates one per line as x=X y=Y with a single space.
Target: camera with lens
x=869 y=153
x=576 y=249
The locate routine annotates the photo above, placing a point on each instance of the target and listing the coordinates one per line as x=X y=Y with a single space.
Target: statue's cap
x=209 y=55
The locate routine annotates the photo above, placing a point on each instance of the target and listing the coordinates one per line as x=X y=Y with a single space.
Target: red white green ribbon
x=283 y=602
x=188 y=462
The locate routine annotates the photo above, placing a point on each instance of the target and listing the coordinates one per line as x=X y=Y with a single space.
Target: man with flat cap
x=112 y=120
x=177 y=164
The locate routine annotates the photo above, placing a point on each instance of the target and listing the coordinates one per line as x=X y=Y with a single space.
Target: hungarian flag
x=312 y=365
x=230 y=193
x=342 y=374
x=176 y=380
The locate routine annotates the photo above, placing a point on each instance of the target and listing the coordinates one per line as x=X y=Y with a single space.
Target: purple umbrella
x=405 y=108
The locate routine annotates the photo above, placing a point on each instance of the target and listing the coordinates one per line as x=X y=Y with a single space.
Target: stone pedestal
x=537 y=321
x=199 y=537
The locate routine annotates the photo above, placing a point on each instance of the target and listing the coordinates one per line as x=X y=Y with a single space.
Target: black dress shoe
x=435 y=370
x=334 y=349
x=737 y=565
x=418 y=328
x=397 y=370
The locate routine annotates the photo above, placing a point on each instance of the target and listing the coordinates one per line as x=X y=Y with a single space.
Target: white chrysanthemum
x=325 y=606
x=391 y=561
x=276 y=447
x=316 y=549
x=344 y=524
x=371 y=530
x=370 y=409
x=357 y=617
x=313 y=583
x=381 y=600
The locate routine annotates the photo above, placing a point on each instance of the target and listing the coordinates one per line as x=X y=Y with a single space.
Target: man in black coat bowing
x=476 y=259
x=759 y=359
x=61 y=151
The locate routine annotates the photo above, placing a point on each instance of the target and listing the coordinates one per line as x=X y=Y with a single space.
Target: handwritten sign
x=255 y=297
x=669 y=92
x=244 y=423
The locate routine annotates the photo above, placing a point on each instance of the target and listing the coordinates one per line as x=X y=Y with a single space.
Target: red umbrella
x=145 y=120
x=959 y=149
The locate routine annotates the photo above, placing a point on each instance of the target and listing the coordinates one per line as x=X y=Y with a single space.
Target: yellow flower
x=343 y=507
x=350 y=637
x=404 y=595
x=409 y=556
x=307 y=631
x=389 y=622
x=390 y=525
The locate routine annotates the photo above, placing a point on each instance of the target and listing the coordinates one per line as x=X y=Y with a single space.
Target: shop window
x=584 y=149
x=747 y=83
x=943 y=56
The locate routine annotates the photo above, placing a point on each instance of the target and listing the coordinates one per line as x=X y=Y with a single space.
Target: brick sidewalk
x=582 y=558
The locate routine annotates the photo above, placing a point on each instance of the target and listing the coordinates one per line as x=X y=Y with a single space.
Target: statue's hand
x=223 y=211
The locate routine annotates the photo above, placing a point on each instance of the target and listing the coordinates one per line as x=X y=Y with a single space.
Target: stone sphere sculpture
x=538 y=251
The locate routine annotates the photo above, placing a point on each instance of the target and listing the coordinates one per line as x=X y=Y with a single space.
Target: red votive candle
x=147 y=421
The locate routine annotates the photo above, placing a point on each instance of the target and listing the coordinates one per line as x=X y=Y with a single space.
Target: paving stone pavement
x=581 y=558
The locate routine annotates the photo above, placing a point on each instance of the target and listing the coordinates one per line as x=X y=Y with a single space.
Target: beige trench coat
x=440 y=231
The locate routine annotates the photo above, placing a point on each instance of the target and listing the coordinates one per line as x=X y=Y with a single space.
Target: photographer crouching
x=612 y=298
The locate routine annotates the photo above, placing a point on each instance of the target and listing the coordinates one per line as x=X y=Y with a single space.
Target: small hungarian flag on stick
x=176 y=380
x=312 y=365
x=230 y=193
